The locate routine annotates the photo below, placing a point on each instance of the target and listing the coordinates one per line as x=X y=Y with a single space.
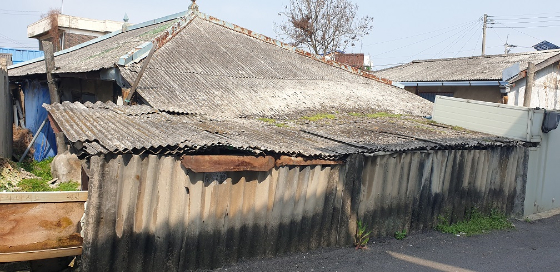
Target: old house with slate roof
x=487 y=78
x=238 y=145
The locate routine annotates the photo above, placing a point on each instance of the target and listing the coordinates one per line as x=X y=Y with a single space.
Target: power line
x=23 y=11
x=423 y=39
x=421 y=34
x=512 y=27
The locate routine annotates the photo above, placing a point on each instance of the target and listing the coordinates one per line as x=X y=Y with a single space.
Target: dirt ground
x=531 y=246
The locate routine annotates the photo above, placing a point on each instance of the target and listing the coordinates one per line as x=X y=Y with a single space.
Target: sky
x=403 y=30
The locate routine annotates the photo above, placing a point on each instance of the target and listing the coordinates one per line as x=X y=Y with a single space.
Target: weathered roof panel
x=485 y=68
x=96 y=56
x=211 y=69
x=107 y=128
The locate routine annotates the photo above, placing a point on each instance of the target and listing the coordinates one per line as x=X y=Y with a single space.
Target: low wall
x=149 y=213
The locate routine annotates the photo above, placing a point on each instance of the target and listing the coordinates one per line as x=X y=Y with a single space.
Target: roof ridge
x=288 y=47
x=487 y=56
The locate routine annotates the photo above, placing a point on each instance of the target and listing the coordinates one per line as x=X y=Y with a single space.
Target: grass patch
x=477 y=223
x=156 y=30
x=40 y=169
x=267 y=120
x=319 y=116
x=383 y=114
x=43 y=172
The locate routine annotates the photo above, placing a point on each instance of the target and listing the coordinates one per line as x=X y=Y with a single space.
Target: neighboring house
x=69 y=30
x=357 y=60
x=17 y=56
x=237 y=145
x=479 y=77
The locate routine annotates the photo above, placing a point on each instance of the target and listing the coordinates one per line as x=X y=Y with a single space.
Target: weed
x=34 y=185
x=400 y=235
x=67 y=186
x=320 y=116
x=267 y=120
x=362 y=235
x=476 y=224
x=383 y=114
x=528 y=220
x=356 y=114
x=41 y=184
x=281 y=125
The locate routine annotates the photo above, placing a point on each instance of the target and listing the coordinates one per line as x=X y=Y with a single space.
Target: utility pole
x=484 y=34
x=530 y=81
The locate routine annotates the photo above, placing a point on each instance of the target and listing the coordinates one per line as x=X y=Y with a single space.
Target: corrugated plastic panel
x=21 y=55
x=509 y=121
x=148 y=213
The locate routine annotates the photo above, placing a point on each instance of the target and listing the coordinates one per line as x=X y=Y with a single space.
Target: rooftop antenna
x=62 y=7
x=508 y=47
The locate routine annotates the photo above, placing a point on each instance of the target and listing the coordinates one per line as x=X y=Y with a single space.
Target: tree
x=323 y=26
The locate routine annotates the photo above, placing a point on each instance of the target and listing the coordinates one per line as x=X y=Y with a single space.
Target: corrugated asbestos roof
x=96 y=56
x=463 y=69
x=107 y=128
x=212 y=69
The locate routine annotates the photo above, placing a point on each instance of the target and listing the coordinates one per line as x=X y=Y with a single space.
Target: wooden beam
x=227 y=163
x=39 y=254
x=54 y=125
x=50 y=66
x=286 y=160
x=44 y=197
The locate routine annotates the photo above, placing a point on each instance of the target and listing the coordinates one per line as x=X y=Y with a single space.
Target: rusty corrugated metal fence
x=148 y=213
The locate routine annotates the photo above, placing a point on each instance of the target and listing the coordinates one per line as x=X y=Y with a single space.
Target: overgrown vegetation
x=319 y=116
x=362 y=235
x=273 y=122
x=36 y=178
x=400 y=235
x=475 y=223
x=375 y=115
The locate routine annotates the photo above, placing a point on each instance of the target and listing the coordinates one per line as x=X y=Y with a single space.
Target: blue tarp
x=35 y=95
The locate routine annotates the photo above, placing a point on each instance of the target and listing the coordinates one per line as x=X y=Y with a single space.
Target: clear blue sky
x=403 y=30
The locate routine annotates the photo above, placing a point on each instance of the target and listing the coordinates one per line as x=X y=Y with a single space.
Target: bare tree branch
x=323 y=26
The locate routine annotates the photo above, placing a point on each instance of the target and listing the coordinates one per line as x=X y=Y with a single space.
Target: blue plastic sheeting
x=21 y=55
x=35 y=95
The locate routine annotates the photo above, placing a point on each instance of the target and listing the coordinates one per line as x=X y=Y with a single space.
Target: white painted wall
x=543 y=178
x=546 y=91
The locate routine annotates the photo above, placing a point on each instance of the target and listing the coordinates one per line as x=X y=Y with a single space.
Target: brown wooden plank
x=286 y=160
x=39 y=226
x=43 y=197
x=227 y=163
x=39 y=254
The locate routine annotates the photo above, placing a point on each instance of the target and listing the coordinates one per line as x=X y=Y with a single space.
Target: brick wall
x=355 y=60
x=71 y=39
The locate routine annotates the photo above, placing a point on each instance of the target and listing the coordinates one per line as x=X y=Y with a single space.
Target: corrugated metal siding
x=148 y=213
x=408 y=191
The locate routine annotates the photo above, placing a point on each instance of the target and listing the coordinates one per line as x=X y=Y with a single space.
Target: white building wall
x=546 y=91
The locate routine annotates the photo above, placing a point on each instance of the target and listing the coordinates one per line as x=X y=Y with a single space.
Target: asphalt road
x=531 y=246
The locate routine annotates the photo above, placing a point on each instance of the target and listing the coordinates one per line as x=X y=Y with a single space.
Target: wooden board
x=227 y=163
x=286 y=160
x=39 y=254
x=43 y=197
x=40 y=225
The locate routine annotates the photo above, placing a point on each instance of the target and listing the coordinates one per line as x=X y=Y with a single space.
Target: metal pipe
x=33 y=140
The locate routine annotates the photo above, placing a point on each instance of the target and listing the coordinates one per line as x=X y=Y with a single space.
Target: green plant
x=476 y=223
x=34 y=185
x=362 y=235
x=383 y=114
x=399 y=235
x=67 y=186
x=320 y=116
x=267 y=120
